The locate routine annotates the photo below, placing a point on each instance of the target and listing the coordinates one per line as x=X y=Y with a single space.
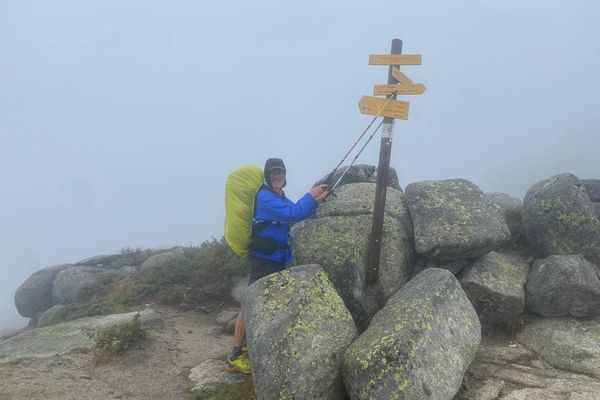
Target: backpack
x=240 y=194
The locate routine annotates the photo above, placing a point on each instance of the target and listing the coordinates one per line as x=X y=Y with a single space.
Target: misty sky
x=120 y=120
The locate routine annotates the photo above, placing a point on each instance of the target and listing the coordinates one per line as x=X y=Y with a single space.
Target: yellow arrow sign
x=392 y=59
x=383 y=90
x=375 y=106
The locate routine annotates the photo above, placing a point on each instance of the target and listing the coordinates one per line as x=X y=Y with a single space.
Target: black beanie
x=270 y=165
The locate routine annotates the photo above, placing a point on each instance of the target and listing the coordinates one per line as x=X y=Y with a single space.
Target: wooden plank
x=393 y=59
x=384 y=90
x=375 y=106
x=396 y=73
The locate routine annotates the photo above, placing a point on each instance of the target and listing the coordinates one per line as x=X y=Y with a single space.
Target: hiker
x=270 y=250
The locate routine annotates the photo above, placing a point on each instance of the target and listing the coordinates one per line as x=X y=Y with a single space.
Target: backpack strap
x=261 y=225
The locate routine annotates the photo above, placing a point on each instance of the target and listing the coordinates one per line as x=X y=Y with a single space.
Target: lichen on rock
x=453 y=220
x=559 y=217
x=495 y=285
x=563 y=285
x=418 y=346
x=297 y=328
x=338 y=240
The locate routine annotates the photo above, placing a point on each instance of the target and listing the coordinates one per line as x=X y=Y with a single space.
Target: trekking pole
x=356 y=157
x=350 y=151
x=358 y=140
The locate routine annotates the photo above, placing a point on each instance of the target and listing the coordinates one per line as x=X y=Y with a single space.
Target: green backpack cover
x=240 y=193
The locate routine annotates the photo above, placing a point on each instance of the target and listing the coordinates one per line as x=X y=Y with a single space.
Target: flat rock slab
x=359 y=199
x=210 y=377
x=454 y=220
x=67 y=336
x=566 y=343
x=503 y=369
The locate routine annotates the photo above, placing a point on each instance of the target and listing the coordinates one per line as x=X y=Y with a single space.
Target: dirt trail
x=157 y=369
x=154 y=370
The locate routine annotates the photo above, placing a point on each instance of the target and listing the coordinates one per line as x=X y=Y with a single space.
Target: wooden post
x=374 y=252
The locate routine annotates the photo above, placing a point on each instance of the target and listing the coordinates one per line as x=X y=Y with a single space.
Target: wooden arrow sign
x=383 y=90
x=395 y=59
x=374 y=105
x=400 y=77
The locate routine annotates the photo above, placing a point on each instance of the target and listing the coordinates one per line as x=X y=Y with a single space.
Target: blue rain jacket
x=270 y=206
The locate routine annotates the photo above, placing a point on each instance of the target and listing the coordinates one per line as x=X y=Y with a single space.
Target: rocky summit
x=479 y=296
x=418 y=346
x=297 y=328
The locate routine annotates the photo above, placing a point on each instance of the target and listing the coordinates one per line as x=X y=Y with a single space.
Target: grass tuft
x=116 y=339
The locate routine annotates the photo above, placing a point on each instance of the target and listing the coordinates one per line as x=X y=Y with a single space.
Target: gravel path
x=156 y=369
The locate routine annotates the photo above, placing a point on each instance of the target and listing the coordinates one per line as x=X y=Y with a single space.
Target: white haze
x=119 y=121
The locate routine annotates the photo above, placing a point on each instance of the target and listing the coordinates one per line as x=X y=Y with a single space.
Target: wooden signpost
x=399 y=76
x=384 y=108
x=394 y=59
x=411 y=88
x=390 y=109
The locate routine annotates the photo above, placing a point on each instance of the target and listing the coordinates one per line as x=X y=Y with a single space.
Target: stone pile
x=454 y=260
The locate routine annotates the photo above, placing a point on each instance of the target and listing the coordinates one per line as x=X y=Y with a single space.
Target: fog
x=119 y=121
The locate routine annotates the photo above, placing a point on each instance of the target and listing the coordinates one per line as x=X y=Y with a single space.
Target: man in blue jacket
x=270 y=249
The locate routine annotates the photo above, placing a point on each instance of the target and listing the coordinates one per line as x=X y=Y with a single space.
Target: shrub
x=211 y=262
x=100 y=288
x=215 y=259
x=133 y=257
x=117 y=339
x=123 y=291
x=172 y=294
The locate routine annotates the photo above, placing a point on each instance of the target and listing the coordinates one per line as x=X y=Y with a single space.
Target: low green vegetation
x=117 y=339
x=211 y=263
x=74 y=311
x=134 y=257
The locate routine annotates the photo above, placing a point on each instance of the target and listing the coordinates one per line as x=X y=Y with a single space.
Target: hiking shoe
x=240 y=364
